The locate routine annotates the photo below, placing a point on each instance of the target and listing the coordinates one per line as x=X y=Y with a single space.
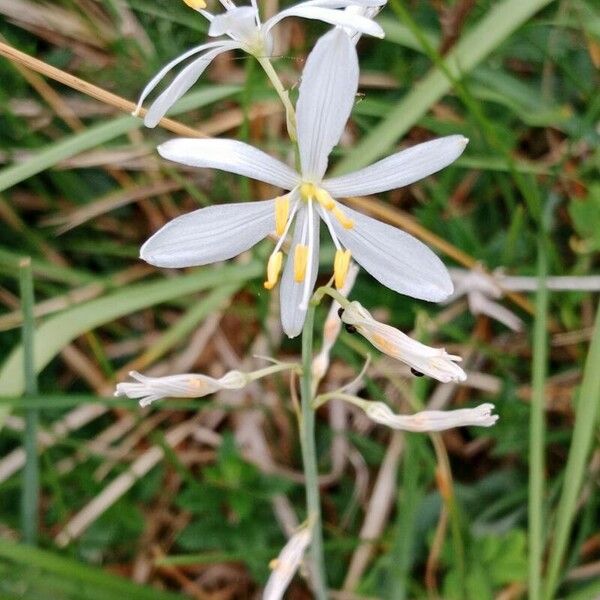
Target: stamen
x=273 y=270
x=195 y=4
x=300 y=262
x=341 y=264
x=342 y=218
x=308 y=191
x=324 y=199
x=282 y=211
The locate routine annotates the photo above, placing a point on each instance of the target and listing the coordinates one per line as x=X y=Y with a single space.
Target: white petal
x=396 y=259
x=292 y=316
x=328 y=15
x=432 y=420
x=400 y=169
x=183 y=82
x=235 y=21
x=327 y=91
x=232 y=156
x=159 y=76
x=286 y=564
x=210 y=234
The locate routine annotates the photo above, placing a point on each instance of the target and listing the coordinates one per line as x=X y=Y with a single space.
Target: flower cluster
x=326 y=97
x=307 y=197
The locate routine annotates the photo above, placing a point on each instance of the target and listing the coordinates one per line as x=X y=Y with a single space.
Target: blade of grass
x=58 y=331
x=537 y=425
x=501 y=21
x=92 y=138
x=30 y=492
x=89 y=578
x=586 y=420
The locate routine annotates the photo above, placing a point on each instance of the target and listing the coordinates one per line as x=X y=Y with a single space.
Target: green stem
x=309 y=457
x=31 y=478
x=536 y=438
x=290 y=113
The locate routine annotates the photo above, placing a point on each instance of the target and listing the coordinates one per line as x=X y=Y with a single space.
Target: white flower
x=244 y=31
x=188 y=385
x=394 y=258
x=286 y=564
x=422 y=359
x=430 y=420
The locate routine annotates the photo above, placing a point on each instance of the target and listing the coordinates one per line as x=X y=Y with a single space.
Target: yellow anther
x=300 y=261
x=282 y=211
x=341 y=263
x=324 y=199
x=273 y=270
x=308 y=191
x=342 y=218
x=195 y=4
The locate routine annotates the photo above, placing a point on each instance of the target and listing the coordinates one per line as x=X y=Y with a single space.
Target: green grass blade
x=537 y=427
x=91 y=582
x=474 y=47
x=97 y=135
x=30 y=492
x=581 y=442
x=58 y=331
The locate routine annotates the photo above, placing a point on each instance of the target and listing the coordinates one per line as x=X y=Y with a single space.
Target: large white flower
x=243 y=30
x=394 y=258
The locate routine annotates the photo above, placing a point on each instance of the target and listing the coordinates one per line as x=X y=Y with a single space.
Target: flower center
x=310 y=191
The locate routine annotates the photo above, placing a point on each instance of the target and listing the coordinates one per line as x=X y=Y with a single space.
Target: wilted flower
x=189 y=385
x=394 y=258
x=286 y=564
x=430 y=420
x=245 y=31
x=422 y=359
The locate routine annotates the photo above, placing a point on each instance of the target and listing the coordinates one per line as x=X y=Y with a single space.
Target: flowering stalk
x=290 y=111
x=309 y=456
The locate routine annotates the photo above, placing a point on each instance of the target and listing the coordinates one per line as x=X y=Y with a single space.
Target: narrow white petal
x=400 y=169
x=328 y=15
x=232 y=156
x=432 y=420
x=182 y=83
x=210 y=234
x=286 y=564
x=327 y=91
x=234 y=22
x=292 y=316
x=160 y=75
x=396 y=259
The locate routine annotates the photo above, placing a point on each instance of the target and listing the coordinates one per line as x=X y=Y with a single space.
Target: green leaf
x=475 y=46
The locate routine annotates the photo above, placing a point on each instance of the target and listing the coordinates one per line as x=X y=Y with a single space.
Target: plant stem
x=290 y=113
x=31 y=477
x=537 y=428
x=309 y=457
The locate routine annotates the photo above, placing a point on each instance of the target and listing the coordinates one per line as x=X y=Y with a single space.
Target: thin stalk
x=537 y=427
x=290 y=113
x=586 y=419
x=309 y=457
x=31 y=476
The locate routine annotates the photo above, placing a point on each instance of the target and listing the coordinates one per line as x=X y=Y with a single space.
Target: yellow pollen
x=282 y=211
x=342 y=218
x=273 y=270
x=195 y=4
x=300 y=261
x=341 y=264
x=324 y=199
x=308 y=191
